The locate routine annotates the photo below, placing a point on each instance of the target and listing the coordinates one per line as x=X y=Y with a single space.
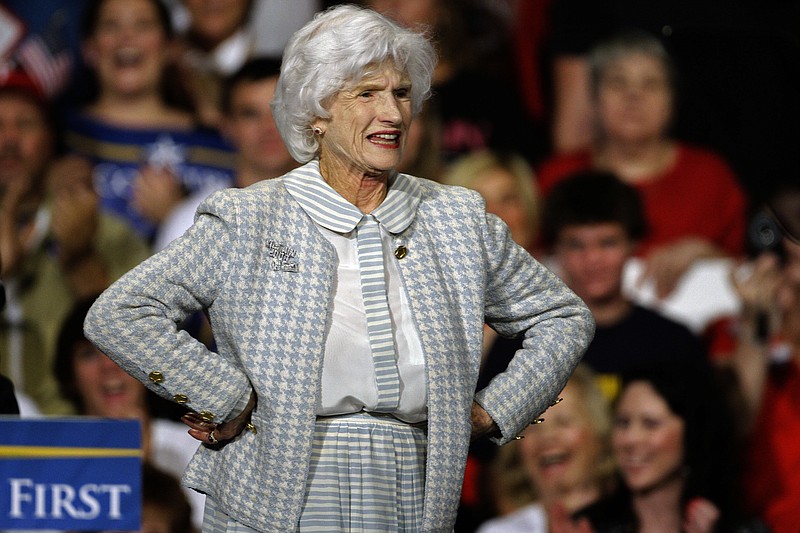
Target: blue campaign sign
x=70 y=474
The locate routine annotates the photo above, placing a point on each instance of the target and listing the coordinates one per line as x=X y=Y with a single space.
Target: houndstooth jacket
x=264 y=272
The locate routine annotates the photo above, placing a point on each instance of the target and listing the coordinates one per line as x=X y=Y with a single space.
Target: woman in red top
x=694 y=204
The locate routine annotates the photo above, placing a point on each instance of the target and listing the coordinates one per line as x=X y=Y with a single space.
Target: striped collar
x=329 y=209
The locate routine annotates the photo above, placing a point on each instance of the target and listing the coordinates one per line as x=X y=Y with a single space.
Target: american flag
x=11 y=31
x=49 y=69
x=45 y=56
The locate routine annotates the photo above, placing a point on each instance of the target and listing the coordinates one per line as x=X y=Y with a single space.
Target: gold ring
x=211 y=438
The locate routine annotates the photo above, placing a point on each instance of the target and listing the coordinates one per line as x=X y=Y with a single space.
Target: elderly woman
x=331 y=406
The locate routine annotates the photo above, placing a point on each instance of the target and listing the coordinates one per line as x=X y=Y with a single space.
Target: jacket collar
x=329 y=209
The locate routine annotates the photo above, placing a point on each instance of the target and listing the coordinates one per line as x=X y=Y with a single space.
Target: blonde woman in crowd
x=508 y=185
x=561 y=464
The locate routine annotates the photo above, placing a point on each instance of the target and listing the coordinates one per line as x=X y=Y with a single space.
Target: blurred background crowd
x=637 y=148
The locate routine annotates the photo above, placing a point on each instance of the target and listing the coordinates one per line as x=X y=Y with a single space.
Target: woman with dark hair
x=760 y=345
x=134 y=124
x=677 y=455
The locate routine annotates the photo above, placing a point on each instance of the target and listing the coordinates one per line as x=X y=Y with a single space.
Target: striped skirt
x=367 y=474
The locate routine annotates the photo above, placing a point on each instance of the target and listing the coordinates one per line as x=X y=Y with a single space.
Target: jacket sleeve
x=524 y=298
x=135 y=321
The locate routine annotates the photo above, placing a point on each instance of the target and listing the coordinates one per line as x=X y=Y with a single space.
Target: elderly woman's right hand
x=217 y=435
x=482 y=423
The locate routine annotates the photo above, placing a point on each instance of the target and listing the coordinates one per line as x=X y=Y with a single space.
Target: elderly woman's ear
x=319 y=125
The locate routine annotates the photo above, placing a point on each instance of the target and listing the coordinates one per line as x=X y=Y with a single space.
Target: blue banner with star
x=70 y=474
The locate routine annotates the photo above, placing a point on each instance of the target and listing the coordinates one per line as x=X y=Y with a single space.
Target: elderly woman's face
x=366 y=131
x=634 y=98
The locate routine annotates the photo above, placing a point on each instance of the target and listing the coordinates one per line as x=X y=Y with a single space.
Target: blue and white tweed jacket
x=265 y=273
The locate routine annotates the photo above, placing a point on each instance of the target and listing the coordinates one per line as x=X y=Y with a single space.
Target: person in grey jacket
x=347 y=301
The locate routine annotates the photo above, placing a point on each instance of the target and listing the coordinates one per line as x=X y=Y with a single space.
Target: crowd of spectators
x=620 y=144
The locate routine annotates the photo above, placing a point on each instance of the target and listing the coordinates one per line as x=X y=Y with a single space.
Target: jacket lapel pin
x=284 y=258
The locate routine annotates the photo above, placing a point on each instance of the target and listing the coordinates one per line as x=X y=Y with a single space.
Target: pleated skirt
x=367 y=474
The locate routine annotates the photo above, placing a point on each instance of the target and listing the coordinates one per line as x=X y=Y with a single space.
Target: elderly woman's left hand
x=482 y=423
x=217 y=435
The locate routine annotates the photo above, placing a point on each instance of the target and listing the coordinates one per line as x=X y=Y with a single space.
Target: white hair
x=339 y=46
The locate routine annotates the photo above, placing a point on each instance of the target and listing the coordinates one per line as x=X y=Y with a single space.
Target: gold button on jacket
x=180 y=398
